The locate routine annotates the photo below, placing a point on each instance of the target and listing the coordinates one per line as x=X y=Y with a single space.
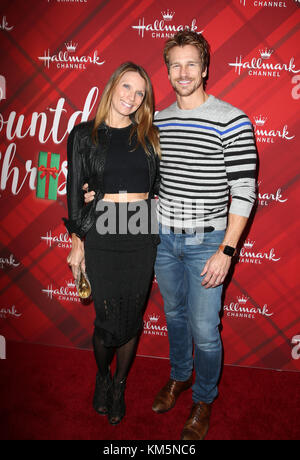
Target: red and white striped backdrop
x=56 y=57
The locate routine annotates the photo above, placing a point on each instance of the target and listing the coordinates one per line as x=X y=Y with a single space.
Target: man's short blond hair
x=188 y=37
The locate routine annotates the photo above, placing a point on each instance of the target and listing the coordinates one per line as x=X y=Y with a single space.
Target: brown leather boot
x=167 y=396
x=197 y=424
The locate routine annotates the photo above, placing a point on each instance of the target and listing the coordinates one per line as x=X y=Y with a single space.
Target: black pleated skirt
x=120 y=269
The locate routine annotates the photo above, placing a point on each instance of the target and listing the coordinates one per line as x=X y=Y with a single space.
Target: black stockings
x=104 y=356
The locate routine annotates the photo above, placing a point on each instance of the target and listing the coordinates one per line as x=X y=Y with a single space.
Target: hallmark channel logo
x=264 y=65
x=4 y=25
x=264 y=4
x=241 y=308
x=250 y=255
x=69 y=59
x=163 y=27
x=9 y=313
x=62 y=240
x=152 y=326
x=8 y=261
x=266 y=198
x=66 y=293
x=266 y=134
x=72 y=2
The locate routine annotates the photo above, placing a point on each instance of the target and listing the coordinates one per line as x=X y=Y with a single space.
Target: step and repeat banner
x=56 y=56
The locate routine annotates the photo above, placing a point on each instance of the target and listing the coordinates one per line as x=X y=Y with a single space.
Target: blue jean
x=192 y=311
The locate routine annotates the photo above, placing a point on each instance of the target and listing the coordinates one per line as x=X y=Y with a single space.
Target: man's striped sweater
x=208 y=153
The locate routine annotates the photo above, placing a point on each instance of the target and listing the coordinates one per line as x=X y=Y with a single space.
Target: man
x=208 y=151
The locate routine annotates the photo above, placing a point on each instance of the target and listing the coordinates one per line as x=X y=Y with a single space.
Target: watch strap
x=228 y=250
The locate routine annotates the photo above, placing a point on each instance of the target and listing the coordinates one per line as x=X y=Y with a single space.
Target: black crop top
x=126 y=170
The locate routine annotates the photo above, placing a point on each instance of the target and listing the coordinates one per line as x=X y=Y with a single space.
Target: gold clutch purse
x=83 y=285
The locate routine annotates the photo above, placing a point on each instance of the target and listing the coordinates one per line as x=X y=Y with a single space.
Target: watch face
x=229 y=251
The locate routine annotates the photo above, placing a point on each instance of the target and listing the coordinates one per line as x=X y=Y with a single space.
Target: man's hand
x=88 y=196
x=215 y=269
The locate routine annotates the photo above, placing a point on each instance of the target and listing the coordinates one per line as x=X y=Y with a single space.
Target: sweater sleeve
x=74 y=182
x=240 y=158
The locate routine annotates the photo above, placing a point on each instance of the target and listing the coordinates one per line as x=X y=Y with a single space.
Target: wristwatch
x=228 y=250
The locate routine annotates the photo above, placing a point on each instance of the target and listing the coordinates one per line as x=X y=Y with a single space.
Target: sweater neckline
x=195 y=109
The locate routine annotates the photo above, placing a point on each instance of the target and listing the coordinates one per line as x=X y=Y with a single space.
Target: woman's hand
x=76 y=256
x=88 y=196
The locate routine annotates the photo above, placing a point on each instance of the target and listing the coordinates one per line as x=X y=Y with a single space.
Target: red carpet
x=46 y=393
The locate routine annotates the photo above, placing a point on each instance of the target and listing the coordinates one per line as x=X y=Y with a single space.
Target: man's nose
x=183 y=71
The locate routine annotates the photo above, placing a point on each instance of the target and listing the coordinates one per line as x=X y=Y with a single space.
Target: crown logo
x=168 y=15
x=153 y=318
x=260 y=121
x=71 y=47
x=242 y=299
x=249 y=244
x=70 y=284
x=265 y=54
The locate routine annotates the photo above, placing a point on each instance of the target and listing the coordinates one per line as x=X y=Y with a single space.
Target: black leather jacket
x=86 y=163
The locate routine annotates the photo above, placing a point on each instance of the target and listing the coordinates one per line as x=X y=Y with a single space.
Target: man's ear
x=168 y=70
x=204 y=73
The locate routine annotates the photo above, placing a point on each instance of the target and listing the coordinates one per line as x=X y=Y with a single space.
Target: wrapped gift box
x=47 y=177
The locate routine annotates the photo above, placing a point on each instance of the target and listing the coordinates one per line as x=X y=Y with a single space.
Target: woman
x=117 y=153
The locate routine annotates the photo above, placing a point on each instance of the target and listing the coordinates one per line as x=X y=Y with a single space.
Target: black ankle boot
x=103 y=385
x=116 y=402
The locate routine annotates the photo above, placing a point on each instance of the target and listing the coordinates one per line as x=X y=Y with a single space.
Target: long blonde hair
x=143 y=117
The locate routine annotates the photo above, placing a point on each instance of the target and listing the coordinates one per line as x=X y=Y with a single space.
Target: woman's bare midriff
x=125 y=197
